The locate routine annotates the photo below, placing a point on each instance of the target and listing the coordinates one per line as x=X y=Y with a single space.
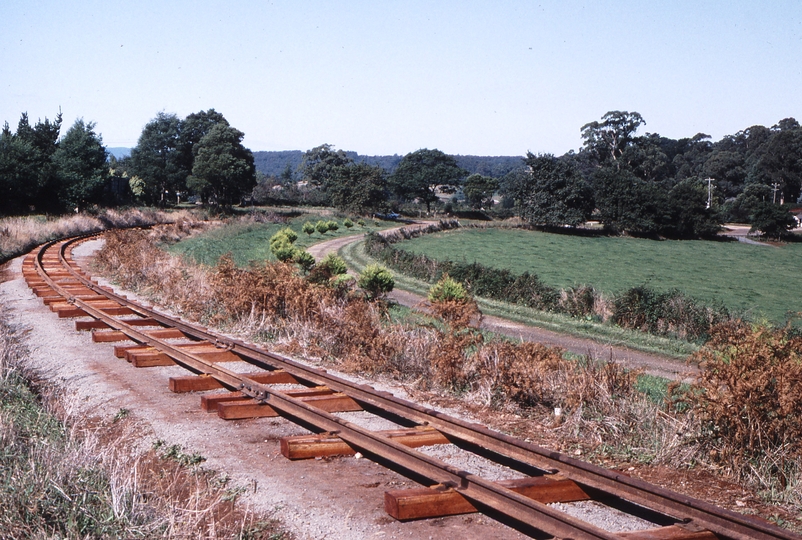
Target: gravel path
x=653 y=364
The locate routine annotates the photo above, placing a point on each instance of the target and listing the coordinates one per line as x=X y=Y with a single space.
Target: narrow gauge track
x=550 y=476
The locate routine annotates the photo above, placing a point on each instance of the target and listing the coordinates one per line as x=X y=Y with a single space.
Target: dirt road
x=652 y=364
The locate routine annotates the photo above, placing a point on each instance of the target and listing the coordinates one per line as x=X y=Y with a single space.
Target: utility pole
x=709 y=192
x=775 y=187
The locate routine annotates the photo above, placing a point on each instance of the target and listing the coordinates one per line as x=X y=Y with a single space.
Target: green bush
x=328 y=271
x=333 y=264
x=322 y=227
x=670 y=313
x=361 y=222
x=308 y=228
x=284 y=251
x=281 y=245
x=333 y=226
x=285 y=235
x=348 y=223
x=305 y=260
x=447 y=290
x=291 y=235
x=376 y=280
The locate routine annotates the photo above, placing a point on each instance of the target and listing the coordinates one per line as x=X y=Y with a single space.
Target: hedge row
x=670 y=313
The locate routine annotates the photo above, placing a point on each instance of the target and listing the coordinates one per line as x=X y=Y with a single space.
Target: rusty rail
x=694 y=516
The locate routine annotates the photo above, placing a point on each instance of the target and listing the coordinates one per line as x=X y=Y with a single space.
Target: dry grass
x=272 y=302
x=63 y=476
x=599 y=406
x=748 y=406
x=19 y=235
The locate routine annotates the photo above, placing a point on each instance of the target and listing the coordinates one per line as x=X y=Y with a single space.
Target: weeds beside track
x=455 y=315
x=66 y=476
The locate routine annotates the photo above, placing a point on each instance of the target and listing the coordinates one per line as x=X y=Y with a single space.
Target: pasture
x=249 y=241
x=753 y=280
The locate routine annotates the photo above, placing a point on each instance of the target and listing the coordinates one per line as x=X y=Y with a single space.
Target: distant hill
x=119 y=152
x=274 y=163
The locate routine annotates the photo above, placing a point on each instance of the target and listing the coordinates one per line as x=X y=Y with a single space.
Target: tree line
x=276 y=163
x=39 y=171
x=652 y=185
x=201 y=155
x=645 y=185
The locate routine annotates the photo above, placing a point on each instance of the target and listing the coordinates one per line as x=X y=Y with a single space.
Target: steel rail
x=507 y=502
x=722 y=522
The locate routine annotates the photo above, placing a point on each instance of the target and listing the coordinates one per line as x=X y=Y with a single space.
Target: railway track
x=278 y=386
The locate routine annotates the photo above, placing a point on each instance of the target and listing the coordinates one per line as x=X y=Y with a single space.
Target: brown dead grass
x=273 y=302
x=19 y=235
x=591 y=402
x=63 y=475
x=748 y=404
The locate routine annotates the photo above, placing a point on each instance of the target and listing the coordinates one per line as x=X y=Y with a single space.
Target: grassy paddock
x=749 y=279
x=355 y=256
x=248 y=240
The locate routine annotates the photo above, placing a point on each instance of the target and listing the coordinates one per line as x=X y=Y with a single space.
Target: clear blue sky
x=376 y=77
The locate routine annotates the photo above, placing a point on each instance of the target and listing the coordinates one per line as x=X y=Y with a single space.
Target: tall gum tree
x=420 y=173
x=223 y=168
x=157 y=159
x=609 y=138
x=81 y=166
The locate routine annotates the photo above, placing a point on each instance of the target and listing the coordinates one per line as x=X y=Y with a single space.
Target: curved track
x=545 y=476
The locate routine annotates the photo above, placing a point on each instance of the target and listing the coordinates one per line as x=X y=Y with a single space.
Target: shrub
x=361 y=222
x=305 y=260
x=334 y=264
x=330 y=267
x=578 y=301
x=447 y=290
x=452 y=303
x=669 y=313
x=284 y=251
x=308 y=228
x=376 y=280
x=291 y=235
x=332 y=225
x=322 y=227
x=749 y=401
x=286 y=235
x=281 y=245
x=521 y=373
x=348 y=223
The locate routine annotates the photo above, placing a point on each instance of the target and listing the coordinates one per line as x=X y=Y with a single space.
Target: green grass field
x=248 y=241
x=758 y=281
x=354 y=254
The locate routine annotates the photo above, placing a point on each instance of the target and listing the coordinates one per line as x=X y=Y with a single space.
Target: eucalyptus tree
x=158 y=161
x=421 y=173
x=223 y=169
x=81 y=166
